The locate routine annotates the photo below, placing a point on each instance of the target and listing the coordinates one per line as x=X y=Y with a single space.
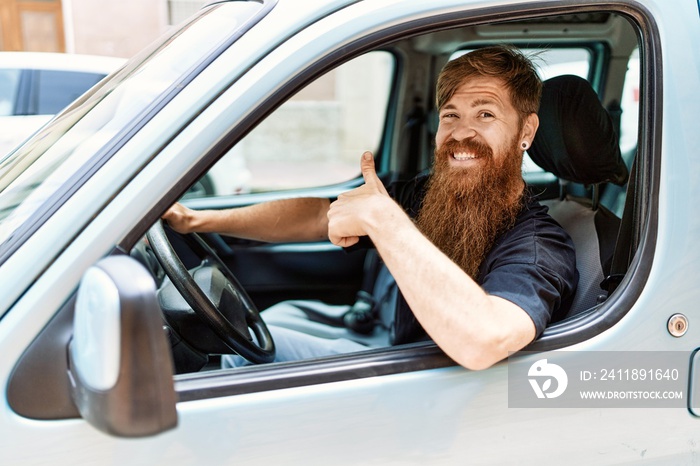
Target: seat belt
x=369 y=310
x=623 y=246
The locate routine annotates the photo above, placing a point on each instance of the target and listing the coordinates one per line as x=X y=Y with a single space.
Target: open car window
x=314 y=138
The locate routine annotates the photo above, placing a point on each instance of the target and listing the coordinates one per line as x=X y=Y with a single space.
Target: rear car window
x=56 y=89
x=9 y=87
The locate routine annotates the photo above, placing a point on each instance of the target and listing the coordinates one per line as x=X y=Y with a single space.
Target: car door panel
x=273 y=273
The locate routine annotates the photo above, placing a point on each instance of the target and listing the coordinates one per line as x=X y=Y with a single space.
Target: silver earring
x=524 y=145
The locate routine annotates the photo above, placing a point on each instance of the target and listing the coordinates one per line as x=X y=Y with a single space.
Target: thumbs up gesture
x=369 y=173
x=357 y=211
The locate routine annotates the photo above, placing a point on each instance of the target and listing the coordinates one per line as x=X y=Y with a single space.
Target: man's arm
x=297 y=219
x=472 y=327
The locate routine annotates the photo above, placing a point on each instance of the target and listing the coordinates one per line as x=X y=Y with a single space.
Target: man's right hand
x=180 y=218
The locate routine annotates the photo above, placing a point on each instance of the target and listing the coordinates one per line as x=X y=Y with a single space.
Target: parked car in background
x=34 y=86
x=111 y=327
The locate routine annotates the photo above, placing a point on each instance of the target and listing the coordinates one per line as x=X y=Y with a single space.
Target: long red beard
x=464 y=210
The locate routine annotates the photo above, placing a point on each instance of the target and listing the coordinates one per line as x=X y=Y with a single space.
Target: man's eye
x=449 y=115
x=486 y=115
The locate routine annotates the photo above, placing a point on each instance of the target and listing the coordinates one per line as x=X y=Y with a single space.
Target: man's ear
x=532 y=122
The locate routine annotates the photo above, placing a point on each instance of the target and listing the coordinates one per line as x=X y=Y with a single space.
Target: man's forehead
x=482 y=90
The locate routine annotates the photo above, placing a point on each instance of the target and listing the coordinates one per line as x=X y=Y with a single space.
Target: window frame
x=427 y=356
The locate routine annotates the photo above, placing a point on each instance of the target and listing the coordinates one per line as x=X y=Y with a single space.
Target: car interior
x=215 y=291
x=577 y=168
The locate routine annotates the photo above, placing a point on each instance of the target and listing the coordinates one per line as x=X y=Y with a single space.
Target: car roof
x=60 y=61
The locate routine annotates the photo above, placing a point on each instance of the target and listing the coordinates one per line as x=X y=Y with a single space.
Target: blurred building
x=97 y=27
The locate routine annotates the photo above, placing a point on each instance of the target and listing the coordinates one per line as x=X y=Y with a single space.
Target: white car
x=34 y=86
x=112 y=333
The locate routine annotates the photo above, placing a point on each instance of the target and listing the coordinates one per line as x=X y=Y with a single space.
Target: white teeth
x=463 y=156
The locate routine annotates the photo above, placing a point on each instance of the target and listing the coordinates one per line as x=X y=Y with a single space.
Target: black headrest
x=576 y=140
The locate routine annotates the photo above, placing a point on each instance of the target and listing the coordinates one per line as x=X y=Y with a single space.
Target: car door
x=408 y=404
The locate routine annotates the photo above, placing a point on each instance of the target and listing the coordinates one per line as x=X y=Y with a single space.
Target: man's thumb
x=367 y=167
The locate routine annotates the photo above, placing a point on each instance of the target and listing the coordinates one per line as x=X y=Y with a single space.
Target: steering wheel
x=231 y=312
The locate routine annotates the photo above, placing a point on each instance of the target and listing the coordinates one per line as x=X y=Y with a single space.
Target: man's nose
x=463 y=131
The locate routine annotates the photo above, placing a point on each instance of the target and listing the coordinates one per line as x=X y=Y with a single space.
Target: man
x=482 y=267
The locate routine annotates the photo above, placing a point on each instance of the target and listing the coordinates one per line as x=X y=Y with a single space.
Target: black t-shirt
x=533 y=264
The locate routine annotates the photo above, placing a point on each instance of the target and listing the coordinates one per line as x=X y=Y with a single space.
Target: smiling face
x=479 y=126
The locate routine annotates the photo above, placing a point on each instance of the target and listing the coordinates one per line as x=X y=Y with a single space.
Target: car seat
x=576 y=141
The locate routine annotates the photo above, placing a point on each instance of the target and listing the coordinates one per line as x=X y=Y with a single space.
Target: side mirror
x=119 y=362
